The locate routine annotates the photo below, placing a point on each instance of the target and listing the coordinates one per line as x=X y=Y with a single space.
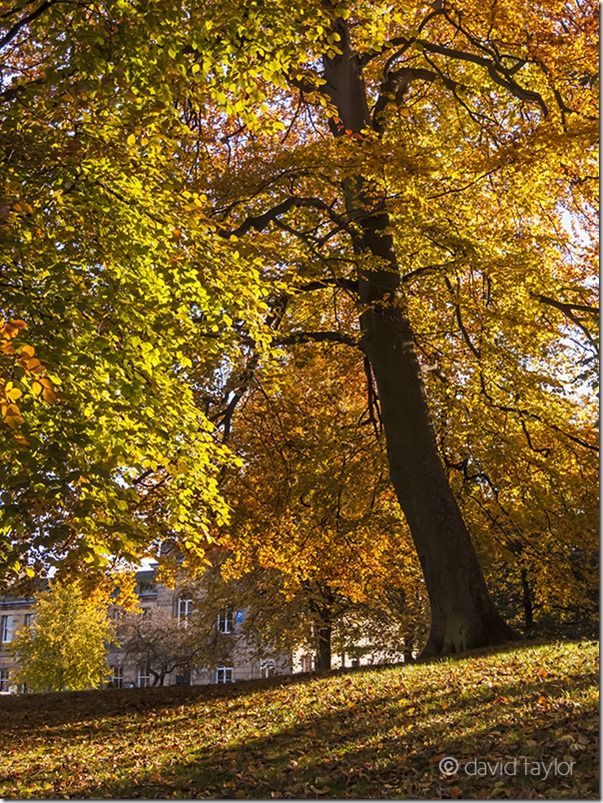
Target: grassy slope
x=369 y=733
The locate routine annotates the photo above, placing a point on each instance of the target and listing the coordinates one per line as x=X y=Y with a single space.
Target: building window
x=3 y=679
x=225 y=622
x=117 y=677
x=147 y=589
x=184 y=610
x=7 y=628
x=307 y=663
x=144 y=677
x=183 y=678
x=224 y=674
x=267 y=668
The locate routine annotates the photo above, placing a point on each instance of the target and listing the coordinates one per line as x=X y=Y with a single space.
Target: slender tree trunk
x=323 y=653
x=407 y=650
x=462 y=613
x=527 y=599
x=320 y=601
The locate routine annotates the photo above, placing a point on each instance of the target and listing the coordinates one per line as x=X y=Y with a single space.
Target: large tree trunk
x=462 y=613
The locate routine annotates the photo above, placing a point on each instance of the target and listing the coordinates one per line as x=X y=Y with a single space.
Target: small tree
x=163 y=644
x=65 y=649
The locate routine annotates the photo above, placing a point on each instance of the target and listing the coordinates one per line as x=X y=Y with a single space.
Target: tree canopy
x=190 y=189
x=65 y=646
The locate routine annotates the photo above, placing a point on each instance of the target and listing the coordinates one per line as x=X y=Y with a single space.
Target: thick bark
x=462 y=613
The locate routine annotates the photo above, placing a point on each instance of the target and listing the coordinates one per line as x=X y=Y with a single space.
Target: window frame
x=225 y=622
x=184 y=610
x=268 y=668
x=307 y=663
x=183 y=678
x=117 y=676
x=224 y=674
x=4 y=679
x=143 y=673
x=7 y=628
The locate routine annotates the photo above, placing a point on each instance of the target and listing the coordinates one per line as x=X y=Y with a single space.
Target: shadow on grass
x=390 y=747
x=30 y=711
x=59 y=708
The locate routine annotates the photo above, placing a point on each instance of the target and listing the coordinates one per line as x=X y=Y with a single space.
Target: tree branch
x=457 y=309
x=14 y=30
x=568 y=310
x=397 y=83
x=365 y=58
x=523 y=412
x=260 y=222
x=321 y=284
x=566 y=307
x=500 y=74
x=317 y=337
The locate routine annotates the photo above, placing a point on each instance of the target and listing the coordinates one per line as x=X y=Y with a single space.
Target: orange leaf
x=12 y=416
x=34 y=365
x=49 y=395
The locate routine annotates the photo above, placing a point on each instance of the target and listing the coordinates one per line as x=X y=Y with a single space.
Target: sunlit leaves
x=312 y=508
x=27 y=375
x=145 y=136
x=121 y=308
x=65 y=647
x=370 y=734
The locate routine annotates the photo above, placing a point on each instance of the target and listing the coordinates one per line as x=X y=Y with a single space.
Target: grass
x=371 y=733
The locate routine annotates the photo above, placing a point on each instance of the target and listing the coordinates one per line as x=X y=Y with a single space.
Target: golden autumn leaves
x=11 y=391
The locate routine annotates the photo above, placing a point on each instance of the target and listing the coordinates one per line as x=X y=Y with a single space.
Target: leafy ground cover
x=521 y=723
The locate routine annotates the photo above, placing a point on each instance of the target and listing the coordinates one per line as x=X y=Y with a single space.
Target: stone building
x=242 y=662
x=15 y=612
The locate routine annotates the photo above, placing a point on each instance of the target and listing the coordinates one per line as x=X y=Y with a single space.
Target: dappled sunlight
x=362 y=733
